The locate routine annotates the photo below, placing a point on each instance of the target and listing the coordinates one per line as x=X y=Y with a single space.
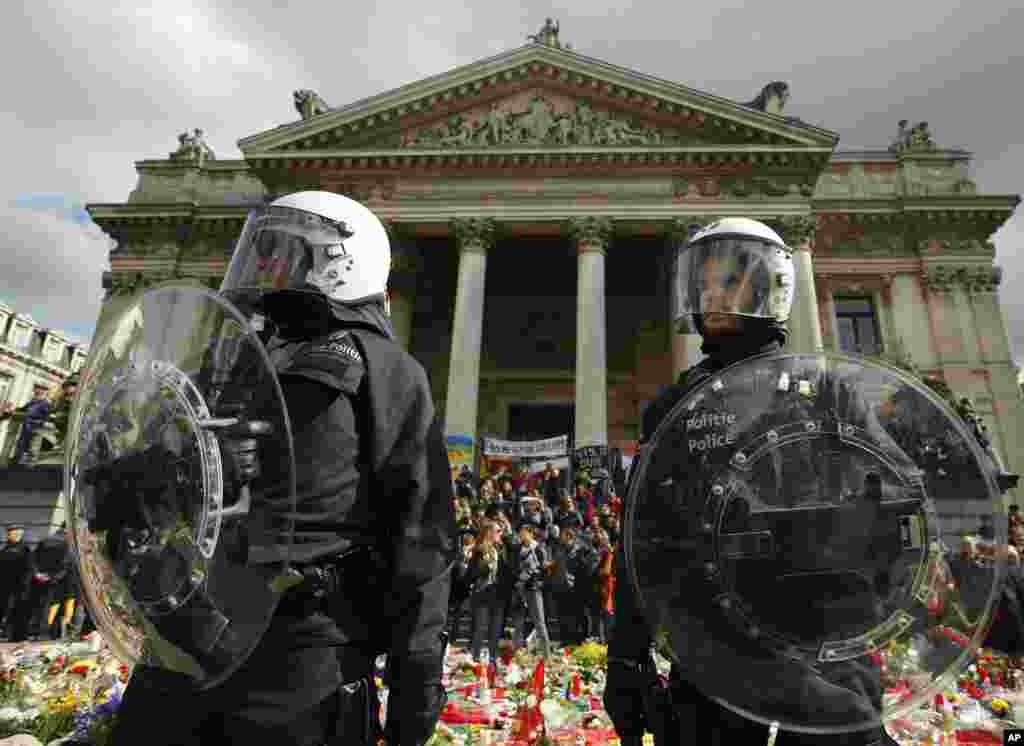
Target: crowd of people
x=535 y=554
x=39 y=594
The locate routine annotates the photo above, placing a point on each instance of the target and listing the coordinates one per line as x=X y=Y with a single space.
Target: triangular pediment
x=538 y=96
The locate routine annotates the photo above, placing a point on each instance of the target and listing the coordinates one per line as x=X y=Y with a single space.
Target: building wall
x=30 y=355
x=904 y=229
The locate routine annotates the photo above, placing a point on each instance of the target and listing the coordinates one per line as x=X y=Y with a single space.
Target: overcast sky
x=91 y=87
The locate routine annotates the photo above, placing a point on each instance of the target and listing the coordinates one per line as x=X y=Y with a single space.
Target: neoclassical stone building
x=534 y=199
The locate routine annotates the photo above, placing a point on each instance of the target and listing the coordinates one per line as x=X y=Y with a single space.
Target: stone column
x=474 y=237
x=911 y=321
x=402 y=283
x=804 y=321
x=592 y=236
x=685 y=347
x=827 y=314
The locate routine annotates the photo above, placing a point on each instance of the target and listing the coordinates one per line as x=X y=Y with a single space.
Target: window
x=54 y=352
x=21 y=337
x=5 y=387
x=858 y=326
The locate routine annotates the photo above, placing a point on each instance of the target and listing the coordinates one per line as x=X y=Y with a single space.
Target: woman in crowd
x=533 y=567
x=486 y=602
x=605 y=596
x=585 y=502
x=567 y=516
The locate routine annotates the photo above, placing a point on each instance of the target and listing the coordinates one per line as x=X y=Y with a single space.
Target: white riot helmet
x=733 y=267
x=316 y=242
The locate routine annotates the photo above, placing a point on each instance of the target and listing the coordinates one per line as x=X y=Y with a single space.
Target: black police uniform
x=49 y=580
x=634 y=697
x=373 y=477
x=15 y=575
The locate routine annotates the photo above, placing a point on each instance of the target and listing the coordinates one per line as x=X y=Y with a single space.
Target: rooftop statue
x=772 y=99
x=309 y=104
x=193 y=148
x=916 y=138
x=548 y=34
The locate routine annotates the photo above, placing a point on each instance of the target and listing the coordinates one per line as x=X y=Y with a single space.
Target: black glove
x=241 y=445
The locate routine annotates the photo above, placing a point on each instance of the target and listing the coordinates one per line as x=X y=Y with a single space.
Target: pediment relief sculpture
x=543 y=120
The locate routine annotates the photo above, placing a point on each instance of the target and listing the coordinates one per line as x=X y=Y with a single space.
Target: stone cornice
x=390 y=160
x=828 y=267
x=469 y=84
x=164 y=164
x=23 y=357
x=887 y=156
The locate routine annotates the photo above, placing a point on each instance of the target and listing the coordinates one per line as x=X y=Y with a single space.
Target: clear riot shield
x=182 y=555
x=792 y=530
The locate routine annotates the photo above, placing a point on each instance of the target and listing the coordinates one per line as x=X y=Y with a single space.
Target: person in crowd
x=486 y=602
x=551 y=484
x=585 y=501
x=507 y=497
x=592 y=527
x=463 y=512
x=462 y=581
x=47 y=585
x=488 y=494
x=611 y=525
x=36 y=412
x=1017 y=537
x=537 y=515
x=586 y=560
x=534 y=565
x=16 y=569
x=565 y=557
x=604 y=591
x=567 y=516
x=464 y=485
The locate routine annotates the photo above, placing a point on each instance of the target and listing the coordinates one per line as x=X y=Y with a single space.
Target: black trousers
x=28 y=610
x=288 y=692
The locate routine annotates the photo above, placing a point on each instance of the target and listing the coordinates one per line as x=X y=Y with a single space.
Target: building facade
x=534 y=201
x=30 y=355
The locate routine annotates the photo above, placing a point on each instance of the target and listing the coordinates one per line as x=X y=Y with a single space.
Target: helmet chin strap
x=754 y=337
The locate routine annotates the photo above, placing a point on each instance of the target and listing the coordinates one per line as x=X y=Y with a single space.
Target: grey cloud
x=111 y=85
x=53 y=268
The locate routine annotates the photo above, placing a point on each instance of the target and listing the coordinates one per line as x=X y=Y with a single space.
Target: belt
x=634 y=665
x=325 y=575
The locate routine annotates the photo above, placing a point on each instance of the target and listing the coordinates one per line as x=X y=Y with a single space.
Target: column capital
x=683 y=229
x=591 y=232
x=474 y=234
x=396 y=231
x=796 y=230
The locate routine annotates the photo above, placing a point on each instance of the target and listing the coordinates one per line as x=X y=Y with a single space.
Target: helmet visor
x=732 y=276
x=286 y=249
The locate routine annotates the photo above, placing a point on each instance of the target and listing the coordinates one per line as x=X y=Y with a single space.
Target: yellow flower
x=999 y=705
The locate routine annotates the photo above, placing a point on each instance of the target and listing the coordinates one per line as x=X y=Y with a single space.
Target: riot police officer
x=16 y=570
x=374 y=535
x=734 y=283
